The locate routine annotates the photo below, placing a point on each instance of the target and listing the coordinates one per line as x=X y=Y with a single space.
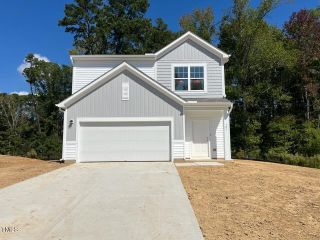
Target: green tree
x=82 y=19
x=303 y=32
x=13 y=117
x=310 y=140
x=283 y=134
x=114 y=27
x=50 y=83
x=200 y=22
x=256 y=73
x=127 y=25
x=158 y=36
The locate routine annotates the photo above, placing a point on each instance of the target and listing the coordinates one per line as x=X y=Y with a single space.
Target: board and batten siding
x=190 y=53
x=84 y=72
x=106 y=102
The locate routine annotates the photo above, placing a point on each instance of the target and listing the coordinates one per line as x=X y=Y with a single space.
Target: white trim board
x=64 y=137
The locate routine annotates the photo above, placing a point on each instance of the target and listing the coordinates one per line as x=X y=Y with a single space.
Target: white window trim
x=204 y=65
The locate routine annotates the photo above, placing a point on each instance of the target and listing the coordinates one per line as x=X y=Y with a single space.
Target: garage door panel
x=124 y=141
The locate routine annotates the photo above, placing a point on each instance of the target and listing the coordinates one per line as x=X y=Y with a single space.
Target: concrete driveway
x=99 y=201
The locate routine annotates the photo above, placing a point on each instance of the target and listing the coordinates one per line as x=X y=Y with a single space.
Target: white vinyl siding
x=82 y=76
x=85 y=72
x=69 y=149
x=190 y=53
x=178 y=149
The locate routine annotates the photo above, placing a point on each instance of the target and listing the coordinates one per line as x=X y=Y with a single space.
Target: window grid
x=196 y=78
x=189 y=73
x=181 y=74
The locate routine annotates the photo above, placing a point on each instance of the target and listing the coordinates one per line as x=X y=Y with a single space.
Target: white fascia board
x=209 y=46
x=71 y=60
x=209 y=104
x=205 y=108
x=74 y=58
x=108 y=76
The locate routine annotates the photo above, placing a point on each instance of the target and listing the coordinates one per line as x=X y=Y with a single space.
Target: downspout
x=230 y=109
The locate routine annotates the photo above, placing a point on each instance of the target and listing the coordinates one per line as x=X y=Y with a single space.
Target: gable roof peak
x=104 y=78
x=154 y=56
x=196 y=39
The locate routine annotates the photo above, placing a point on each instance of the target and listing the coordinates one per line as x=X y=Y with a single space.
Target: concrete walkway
x=100 y=201
x=193 y=164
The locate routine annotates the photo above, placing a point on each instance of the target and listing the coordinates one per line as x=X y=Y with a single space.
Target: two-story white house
x=154 y=107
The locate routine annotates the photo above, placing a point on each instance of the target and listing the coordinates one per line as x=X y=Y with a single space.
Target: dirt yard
x=17 y=169
x=255 y=200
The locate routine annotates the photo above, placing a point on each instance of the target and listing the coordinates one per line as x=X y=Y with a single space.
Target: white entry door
x=200 y=133
x=124 y=141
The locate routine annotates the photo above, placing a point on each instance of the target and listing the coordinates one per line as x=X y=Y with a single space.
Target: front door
x=200 y=133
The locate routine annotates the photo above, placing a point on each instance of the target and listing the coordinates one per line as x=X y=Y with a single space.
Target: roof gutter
x=230 y=109
x=209 y=104
x=75 y=58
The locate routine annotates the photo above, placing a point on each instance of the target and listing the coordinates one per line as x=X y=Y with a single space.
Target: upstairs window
x=181 y=76
x=189 y=78
x=196 y=78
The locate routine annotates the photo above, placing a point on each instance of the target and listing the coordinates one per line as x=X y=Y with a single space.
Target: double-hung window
x=189 y=78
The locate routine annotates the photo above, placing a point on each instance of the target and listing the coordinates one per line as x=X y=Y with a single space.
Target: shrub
x=310 y=143
x=252 y=154
x=239 y=154
x=49 y=147
x=32 y=154
x=296 y=159
x=282 y=133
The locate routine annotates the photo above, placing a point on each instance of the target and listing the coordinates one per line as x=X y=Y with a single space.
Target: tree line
x=272 y=77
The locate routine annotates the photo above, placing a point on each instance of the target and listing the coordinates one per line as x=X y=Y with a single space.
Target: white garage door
x=124 y=141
